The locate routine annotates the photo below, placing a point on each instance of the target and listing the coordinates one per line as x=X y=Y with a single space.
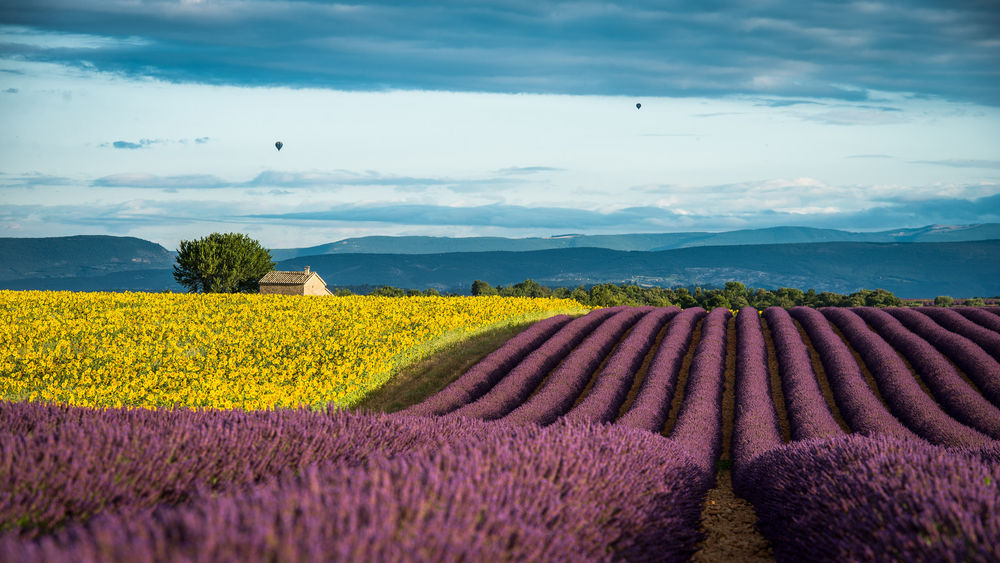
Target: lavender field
x=856 y=434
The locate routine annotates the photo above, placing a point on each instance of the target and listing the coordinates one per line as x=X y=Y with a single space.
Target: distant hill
x=655 y=241
x=133 y=280
x=907 y=269
x=82 y=256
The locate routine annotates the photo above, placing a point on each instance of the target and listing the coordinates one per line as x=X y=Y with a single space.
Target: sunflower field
x=229 y=350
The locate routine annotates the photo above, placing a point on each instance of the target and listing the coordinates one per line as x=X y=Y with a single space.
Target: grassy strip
x=425 y=370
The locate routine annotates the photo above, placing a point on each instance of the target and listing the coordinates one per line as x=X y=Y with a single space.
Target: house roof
x=275 y=277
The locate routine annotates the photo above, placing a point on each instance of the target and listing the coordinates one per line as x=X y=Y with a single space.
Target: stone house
x=293 y=283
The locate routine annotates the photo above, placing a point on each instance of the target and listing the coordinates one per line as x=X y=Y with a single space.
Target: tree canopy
x=222 y=263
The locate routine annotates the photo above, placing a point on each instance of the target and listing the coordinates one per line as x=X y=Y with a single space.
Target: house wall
x=314 y=287
x=281 y=289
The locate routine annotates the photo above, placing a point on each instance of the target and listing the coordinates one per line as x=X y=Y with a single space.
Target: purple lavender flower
x=809 y=415
x=612 y=385
x=567 y=382
x=304 y=485
x=952 y=320
x=858 y=404
x=956 y=396
x=485 y=374
x=858 y=498
x=651 y=405
x=906 y=399
x=981 y=368
x=518 y=384
x=755 y=428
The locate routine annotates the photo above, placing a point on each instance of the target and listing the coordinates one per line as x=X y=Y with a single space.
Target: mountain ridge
x=640 y=241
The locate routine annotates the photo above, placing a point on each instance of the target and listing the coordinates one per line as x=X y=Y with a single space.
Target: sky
x=157 y=118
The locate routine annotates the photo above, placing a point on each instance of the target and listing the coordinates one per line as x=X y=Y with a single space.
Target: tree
x=882 y=298
x=605 y=295
x=580 y=295
x=222 y=263
x=943 y=301
x=531 y=288
x=737 y=294
x=479 y=287
x=717 y=300
x=683 y=298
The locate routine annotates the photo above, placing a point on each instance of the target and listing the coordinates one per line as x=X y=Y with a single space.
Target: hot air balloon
x=638 y=106
x=278 y=145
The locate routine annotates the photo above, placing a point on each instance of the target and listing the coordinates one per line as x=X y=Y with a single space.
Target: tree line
x=732 y=296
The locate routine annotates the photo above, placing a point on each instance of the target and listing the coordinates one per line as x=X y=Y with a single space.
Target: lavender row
x=756 y=429
x=567 y=382
x=699 y=422
x=484 y=375
x=858 y=404
x=979 y=366
x=613 y=383
x=59 y=464
x=906 y=399
x=808 y=413
x=953 y=321
x=957 y=397
x=855 y=498
x=981 y=317
x=518 y=384
x=450 y=490
x=651 y=406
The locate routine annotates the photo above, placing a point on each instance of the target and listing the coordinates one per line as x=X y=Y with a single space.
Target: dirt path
x=729 y=523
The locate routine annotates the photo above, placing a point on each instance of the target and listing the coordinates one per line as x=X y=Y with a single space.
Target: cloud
x=780 y=103
x=129 y=144
x=945 y=211
x=13 y=36
x=32 y=180
x=289 y=179
x=10 y=91
x=889 y=213
x=144 y=143
x=497 y=215
x=346 y=178
x=522 y=170
x=798 y=51
x=961 y=163
x=857 y=115
x=281 y=181
x=869 y=156
x=141 y=180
